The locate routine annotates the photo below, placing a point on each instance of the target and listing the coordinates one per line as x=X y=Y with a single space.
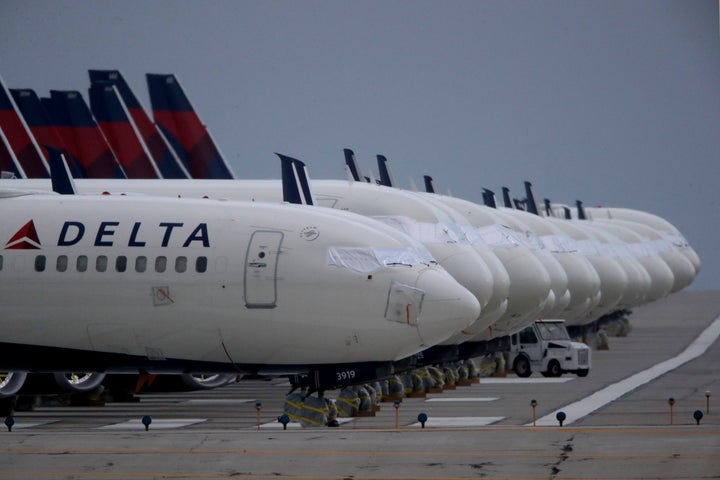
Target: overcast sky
x=616 y=103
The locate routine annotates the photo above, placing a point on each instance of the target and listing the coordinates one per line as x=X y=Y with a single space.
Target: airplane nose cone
x=661 y=276
x=529 y=289
x=447 y=308
x=467 y=267
x=683 y=270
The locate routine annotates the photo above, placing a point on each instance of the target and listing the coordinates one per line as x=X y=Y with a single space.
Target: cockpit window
x=368 y=260
x=425 y=232
x=498 y=236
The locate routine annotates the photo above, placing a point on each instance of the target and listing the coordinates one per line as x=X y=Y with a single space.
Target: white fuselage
x=165 y=284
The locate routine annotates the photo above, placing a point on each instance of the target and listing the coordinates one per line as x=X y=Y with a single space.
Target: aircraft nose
x=467 y=267
x=448 y=307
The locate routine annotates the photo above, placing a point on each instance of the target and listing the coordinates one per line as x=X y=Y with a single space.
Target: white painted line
x=458 y=422
x=576 y=411
x=488 y=381
x=159 y=424
x=462 y=399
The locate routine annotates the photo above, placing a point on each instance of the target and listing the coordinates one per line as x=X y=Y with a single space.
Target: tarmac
x=619 y=423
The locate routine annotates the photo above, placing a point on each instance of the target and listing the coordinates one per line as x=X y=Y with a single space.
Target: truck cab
x=545 y=346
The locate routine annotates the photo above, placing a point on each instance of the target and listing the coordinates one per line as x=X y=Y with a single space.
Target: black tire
x=554 y=369
x=583 y=372
x=521 y=366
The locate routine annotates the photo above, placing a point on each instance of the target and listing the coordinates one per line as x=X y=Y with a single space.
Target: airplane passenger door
x=261 y=269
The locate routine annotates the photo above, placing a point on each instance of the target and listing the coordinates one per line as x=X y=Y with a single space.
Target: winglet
x=352 y=165
x=530 y=200
x=62 y=181
x=296 y=186
x=386 y=177
x=489 y=198
x=429 y=187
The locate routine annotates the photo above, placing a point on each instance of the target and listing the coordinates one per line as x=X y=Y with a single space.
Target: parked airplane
x=142 y=283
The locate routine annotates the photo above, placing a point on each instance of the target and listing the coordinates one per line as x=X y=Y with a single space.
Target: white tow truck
x=545 y=346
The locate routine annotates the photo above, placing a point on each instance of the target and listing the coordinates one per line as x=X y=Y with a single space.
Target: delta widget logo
x=24 y=239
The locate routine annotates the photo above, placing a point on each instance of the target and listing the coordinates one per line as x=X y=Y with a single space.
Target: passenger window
x=160 y=264
x=201 y=264
x=40 y=263
x=180 y=264
x=121 y=263
x=101 y=263
x=82 y=263
x=62 y=263
x=140 y=264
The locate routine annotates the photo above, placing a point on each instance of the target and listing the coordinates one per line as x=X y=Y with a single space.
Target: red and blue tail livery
x=181 y=125
x=165 y=158
x=82 y=135
x=21 y=154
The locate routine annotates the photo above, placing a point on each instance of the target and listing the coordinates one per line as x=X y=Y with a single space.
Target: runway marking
x=576 y=411
x=156 y=424
x=463 y=399
x=433 y=422
x=489 y=380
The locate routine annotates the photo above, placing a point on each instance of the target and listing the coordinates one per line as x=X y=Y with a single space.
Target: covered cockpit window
x=425 y=232
x=368 y=259
x=498 y=236
x=557 y=243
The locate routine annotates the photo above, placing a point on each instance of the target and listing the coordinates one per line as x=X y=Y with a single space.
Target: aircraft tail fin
x=429 y=187
x=121 y=132
x=9 y=165
x=27 y=160
x=62 y=181
x=164 y=156
x=352 y=165
x=296 y=186
x=506 y=197
x=530 y=199
x=386 y=177
x=581 y=210
x=41 y=127
x=489 y=198
x=181 y=125
x=548 y=208
x=82 y=135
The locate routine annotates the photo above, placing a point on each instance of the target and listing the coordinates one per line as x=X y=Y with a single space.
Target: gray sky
x=616 y=103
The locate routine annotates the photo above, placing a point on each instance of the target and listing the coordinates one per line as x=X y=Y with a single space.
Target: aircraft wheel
x=79 y=382
x=11 y=383
x=522 y=366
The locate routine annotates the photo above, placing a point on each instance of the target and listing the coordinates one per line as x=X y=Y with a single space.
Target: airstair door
x=261 y=269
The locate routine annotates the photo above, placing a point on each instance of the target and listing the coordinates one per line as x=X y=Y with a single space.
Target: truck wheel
x=554 y=369
x=583 y=372
x=522 y=366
